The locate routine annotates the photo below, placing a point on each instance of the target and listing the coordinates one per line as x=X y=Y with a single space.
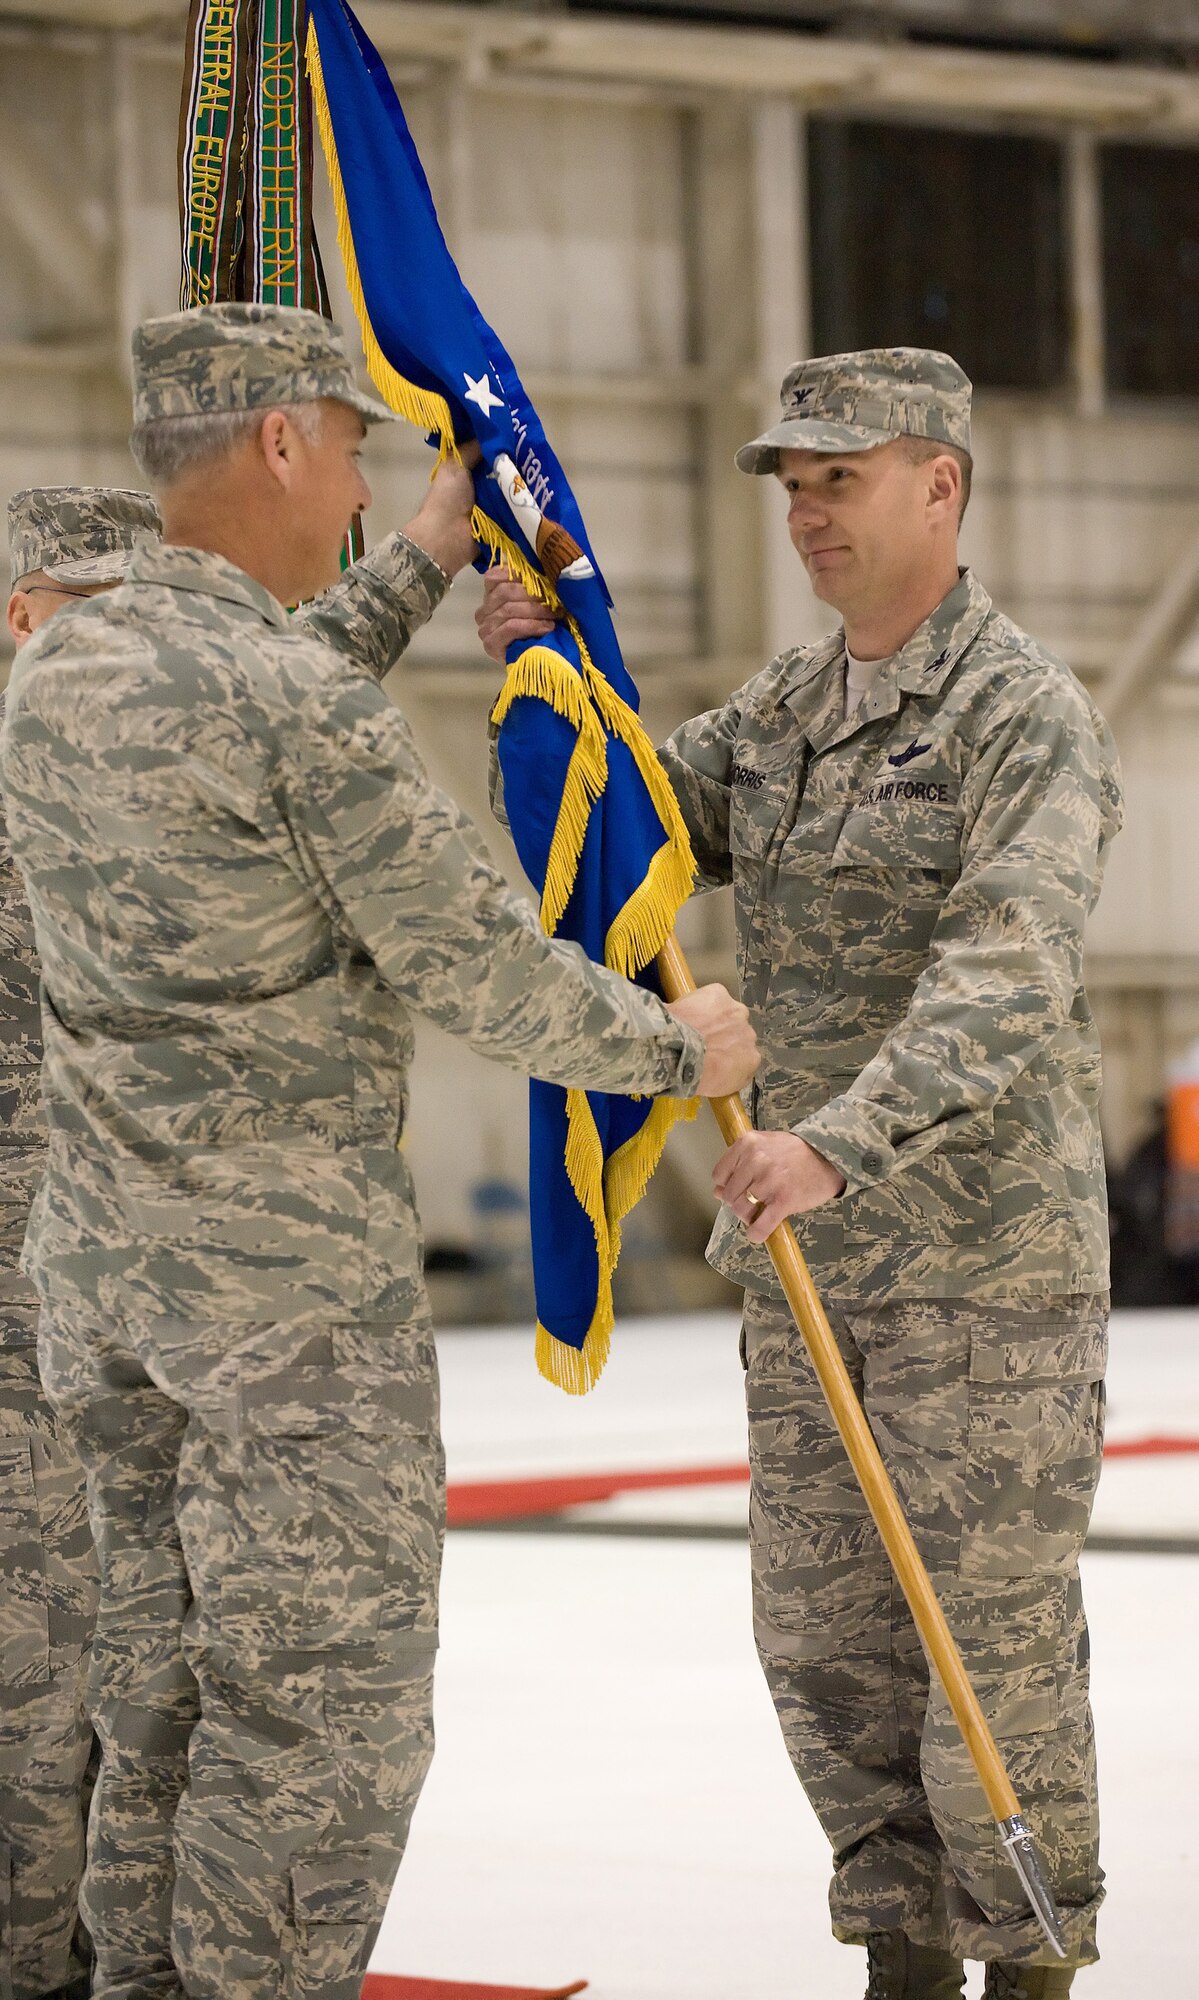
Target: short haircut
x=919 y=450
x=167 y=448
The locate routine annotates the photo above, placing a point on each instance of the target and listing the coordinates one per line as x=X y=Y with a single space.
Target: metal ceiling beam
x=817 y=71
x=1162 y=626
x=141 y=15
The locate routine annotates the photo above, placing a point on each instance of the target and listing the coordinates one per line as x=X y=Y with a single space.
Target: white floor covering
x=610 y=1797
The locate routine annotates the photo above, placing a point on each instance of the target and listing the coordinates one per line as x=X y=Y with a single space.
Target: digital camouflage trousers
x=267 y=1502
x=47 y=1611
x=990 y=1423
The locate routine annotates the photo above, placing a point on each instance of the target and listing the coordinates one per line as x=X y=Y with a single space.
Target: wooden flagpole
x=850 y=1418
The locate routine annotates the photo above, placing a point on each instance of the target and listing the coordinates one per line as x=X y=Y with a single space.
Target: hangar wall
x=631 y=205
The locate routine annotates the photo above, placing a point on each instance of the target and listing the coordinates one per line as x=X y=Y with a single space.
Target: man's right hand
x=730 y=1046
x=442 y=527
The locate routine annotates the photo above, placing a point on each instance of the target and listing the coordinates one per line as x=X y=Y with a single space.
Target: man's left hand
x=508 y=614
x=767 y=1176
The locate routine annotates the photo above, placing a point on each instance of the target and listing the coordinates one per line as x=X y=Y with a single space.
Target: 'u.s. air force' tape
x=894 y=789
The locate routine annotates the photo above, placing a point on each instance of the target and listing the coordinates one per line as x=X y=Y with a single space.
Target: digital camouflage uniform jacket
x=48 y=1567
x=911 y=889
x=369 y=616
x=239 y=873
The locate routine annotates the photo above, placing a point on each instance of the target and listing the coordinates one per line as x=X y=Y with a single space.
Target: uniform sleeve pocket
x=942 y=1200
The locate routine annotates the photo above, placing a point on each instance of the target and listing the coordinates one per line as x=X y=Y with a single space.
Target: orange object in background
x=1182 y=1157
x=1182 y=1113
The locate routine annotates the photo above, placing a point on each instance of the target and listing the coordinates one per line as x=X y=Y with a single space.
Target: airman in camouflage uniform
x=64 y=543
x=241 y=879
x=912 y=878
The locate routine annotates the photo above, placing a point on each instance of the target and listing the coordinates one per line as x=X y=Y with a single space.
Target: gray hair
x=167 y=448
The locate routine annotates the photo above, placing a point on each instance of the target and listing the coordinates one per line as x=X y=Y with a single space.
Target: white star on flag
x=482 y=393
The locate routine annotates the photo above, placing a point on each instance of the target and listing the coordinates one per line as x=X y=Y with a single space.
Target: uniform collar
x=208 y=575
x=935 y=648
x=815 y=688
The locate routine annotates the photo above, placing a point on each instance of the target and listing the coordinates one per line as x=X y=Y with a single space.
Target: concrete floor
x=610 y=1797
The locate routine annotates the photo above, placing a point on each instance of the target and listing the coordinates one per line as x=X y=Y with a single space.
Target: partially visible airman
x=65 y=543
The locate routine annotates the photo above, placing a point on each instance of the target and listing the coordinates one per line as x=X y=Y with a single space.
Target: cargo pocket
x=416 y=1496
x=1034 y=1445
x=337 y=1910
x=1012 y=1638
x=24 y=1599
x=70 y=1565
x=326 y=1470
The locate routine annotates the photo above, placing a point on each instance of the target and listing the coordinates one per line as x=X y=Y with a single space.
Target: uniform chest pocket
x=890 y=871
x=762 y=804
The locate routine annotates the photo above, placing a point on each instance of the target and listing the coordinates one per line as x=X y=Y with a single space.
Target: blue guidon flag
x=593 y=818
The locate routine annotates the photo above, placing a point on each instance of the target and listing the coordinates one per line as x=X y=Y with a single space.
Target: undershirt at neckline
x=861 y=679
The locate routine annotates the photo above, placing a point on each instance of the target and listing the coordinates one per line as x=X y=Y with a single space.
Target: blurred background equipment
x=705 y=194
x=1182 y=1169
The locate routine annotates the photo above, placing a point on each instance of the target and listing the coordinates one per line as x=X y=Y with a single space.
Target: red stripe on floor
x=1151 y=1447
x=512 y=1499
x=505 y=1499
x=386 y=1986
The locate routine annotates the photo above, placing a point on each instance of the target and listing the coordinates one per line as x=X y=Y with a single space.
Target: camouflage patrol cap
x=854 y=402
x=216 y=359
x=77 y=534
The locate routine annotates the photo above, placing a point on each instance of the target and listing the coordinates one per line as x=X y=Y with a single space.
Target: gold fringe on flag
x=631 y=1166
x=544 y=675
x=642 y=925
x=606 y=1191
x=503 y=549
x=578 y=1369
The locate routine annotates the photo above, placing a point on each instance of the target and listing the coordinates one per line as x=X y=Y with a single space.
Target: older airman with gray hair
x=914 y=815
x=241 y=881
x=69 y=543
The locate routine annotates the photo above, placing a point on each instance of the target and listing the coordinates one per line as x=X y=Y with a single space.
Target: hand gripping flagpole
x=858 y=1439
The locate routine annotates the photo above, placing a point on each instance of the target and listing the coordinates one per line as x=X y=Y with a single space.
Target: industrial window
x=1151 y=269
x=931 y=238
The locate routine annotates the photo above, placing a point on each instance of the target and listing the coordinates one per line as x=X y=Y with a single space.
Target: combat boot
x=1027 y=1982
x=901 y=1970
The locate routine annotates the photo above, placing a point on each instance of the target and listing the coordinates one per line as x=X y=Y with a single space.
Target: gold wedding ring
x=757 y=1201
